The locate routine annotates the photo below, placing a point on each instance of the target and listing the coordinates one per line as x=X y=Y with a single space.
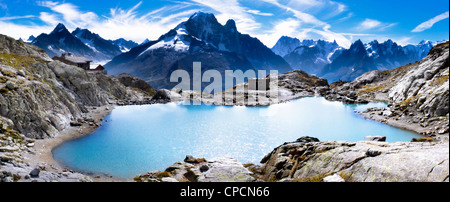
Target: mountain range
x=222 y=47
x=200 y=38
x=81 y=42
x=307 y=55
x=329 y=60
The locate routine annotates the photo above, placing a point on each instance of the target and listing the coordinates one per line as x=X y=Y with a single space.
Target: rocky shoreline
x=309 y=160
x=40 y=157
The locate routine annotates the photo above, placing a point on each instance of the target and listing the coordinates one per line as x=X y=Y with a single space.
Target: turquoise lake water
x=137 y=139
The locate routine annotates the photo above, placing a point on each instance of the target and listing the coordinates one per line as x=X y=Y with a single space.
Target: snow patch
x=176 y=42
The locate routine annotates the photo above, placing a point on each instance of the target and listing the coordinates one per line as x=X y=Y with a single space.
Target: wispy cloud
x=348 y=16
x=369 y=24
x=257 y=12
x=287 y=27
x=70 y=13
x=3 y=6
x=129 y=24
x=310 y=25
x=48 y=18
x=429 y=23
x=16 y=17
x=23 y=31
x=304 y=17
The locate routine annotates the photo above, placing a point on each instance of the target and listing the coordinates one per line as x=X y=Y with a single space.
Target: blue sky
x=404 y=21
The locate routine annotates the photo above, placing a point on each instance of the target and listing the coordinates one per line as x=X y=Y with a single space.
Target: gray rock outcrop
x=223 y=169
x=358 y=162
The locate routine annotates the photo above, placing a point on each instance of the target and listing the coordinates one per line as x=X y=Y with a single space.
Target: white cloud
x=428 y=24
x=257 y=12
x=72 y=16
x=326 y=8
x=130 y=25
x=369 y=24
x=48 y=18
x=281 y=28
x=348 y=16
x=23 y=31
x=304 y=17
x=16 y=17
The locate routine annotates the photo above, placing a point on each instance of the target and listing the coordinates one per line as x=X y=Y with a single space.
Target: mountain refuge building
x=78 y=61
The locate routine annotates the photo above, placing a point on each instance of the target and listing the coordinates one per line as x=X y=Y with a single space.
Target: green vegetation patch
x=372 y=89
x=8 y=73
x=3 y=79
x=18 y=61
x=439 y=81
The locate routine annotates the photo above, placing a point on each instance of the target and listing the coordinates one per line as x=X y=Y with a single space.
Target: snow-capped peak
x=286 y=45
x=177 y=40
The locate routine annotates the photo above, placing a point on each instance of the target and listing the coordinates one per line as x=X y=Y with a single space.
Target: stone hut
x=78 y=61
x=98 y=69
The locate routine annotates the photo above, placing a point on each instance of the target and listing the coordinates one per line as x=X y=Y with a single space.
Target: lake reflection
x=138 y=139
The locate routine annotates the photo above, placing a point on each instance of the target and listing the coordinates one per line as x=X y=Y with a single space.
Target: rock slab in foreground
x=223 y=169
x=358 y=162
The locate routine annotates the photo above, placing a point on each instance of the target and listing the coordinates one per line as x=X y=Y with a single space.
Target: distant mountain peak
x=60 y=28
x=425 y=42
x=31 y=38
x=231 y=24
x=286 y=45
x=84 y=34
x=202 y=16
x=145 y=41
x=358 y=46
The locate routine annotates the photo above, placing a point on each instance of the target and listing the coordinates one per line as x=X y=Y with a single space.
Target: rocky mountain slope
x=419 y=93
x=40 y=97
x=201 y=38
x=104 y=49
